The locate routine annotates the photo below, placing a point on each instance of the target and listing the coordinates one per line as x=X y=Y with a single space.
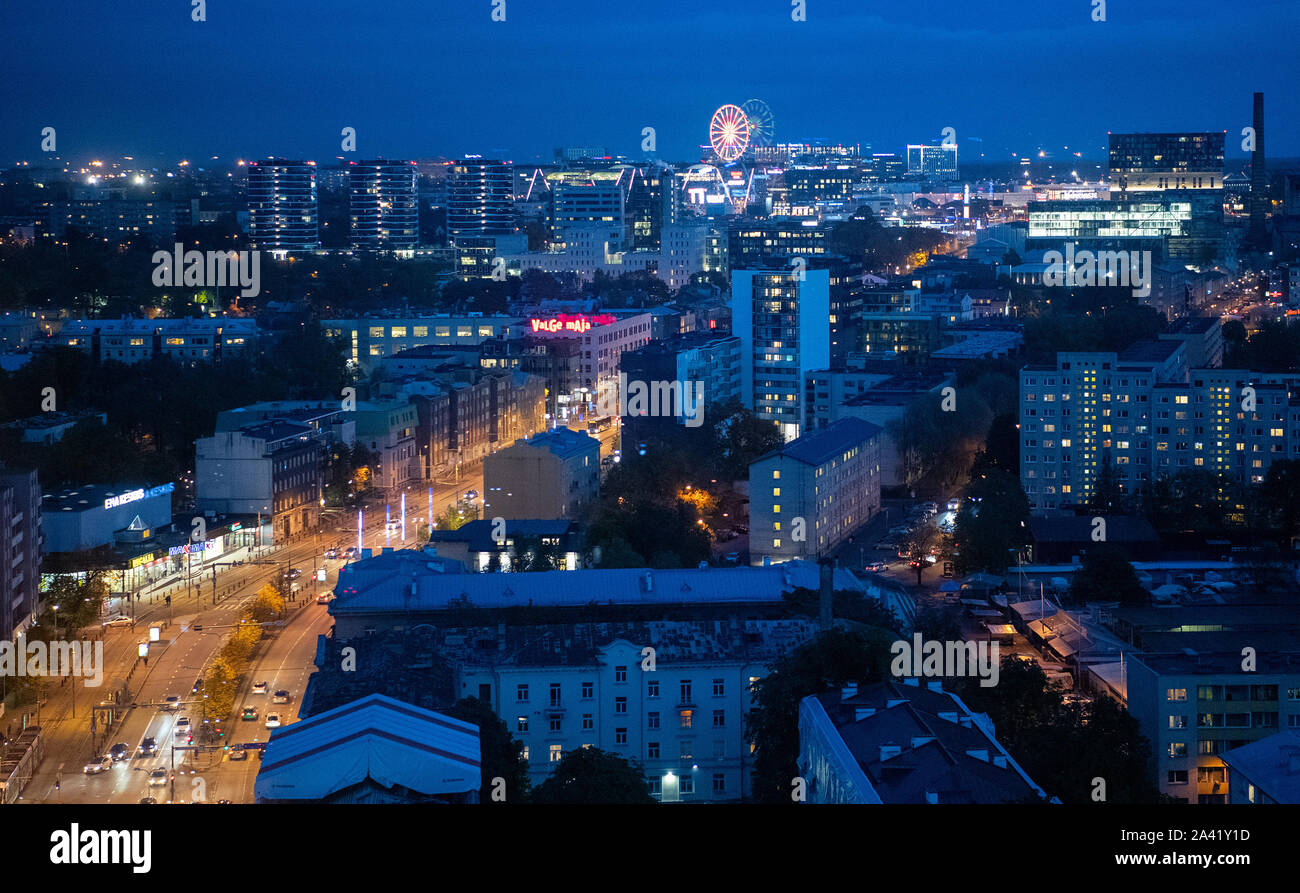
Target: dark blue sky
x=418 y=78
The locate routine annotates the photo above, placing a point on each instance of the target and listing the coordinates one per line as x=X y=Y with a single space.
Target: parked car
x=148 y=747
x=158 y=777
x=281 y=696
x=261 y=688
x=147 y=801
x=99 y=764
x=119 y=752
x=273 y=720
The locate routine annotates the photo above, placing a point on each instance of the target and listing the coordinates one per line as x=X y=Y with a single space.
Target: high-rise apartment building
x=1145 y=413
x=282 y=209
x=480 y=198
x=782 y=317
x=383 y=205
x=21 y=548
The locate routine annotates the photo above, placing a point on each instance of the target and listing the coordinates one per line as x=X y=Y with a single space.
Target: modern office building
x=752 y=243
x=809 y=495
x=187 y=341
x=901 y=742
x=94 y=516
x=480 y=198
x=269 y=469
x=22 y=546
x=383 y=205
x=595 y=201
x=369 y=339
x=548 y=476
x=282 y=211
x=932 y=162
x=1146 y=162
x=782 y=318
x=1146 y=413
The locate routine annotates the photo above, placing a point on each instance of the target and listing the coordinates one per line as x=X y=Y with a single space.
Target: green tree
x=1105 y=575
x=501 y=754
x=991 y=523
x=833 y=658
x=592 y=775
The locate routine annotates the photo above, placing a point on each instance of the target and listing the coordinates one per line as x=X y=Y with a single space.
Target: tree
x=501 y=754
x=592 y=775
x=1104 y=575
x=833 y=658
x=991 y=523
x=1279 y=496
x=268 y=605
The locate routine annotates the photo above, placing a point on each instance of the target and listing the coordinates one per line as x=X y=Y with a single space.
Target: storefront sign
x=578 y=323
x=113 y=502
x=140 y=560
x=194 y=548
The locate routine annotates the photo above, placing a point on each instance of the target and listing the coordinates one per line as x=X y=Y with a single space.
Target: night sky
x=421 y=78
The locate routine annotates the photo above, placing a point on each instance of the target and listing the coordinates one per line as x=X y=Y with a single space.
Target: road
x=194 y=632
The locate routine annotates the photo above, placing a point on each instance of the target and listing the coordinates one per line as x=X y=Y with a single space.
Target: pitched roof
x=1271 y=764
x=375 y=738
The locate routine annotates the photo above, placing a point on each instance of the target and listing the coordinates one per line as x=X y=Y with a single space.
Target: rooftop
x=821 y=445
x=1272 y=764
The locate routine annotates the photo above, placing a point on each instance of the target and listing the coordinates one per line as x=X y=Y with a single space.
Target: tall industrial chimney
x=1258 y=179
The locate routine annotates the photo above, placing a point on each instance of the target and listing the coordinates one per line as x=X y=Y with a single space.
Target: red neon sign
x=577 y=323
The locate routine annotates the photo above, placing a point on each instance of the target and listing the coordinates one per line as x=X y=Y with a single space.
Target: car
x=331 y=553
x=148 y=747
x=237 y=752
x=158 y=777
x=249 y=713
x=324 y=598
x=198 y=686
x=183 y=726
x=393 y=525
x=293 y=573
x=471 y=495
x=731 y=558
x=876 y=567
x=119 y=620
x=147 y=801
x=931 y=507
x=281 y=696
x=273 y=720
x=954 y=504
x=171 y=702
x=119 y=752
x=99 y=764
x=350 y=553
x=261 y=688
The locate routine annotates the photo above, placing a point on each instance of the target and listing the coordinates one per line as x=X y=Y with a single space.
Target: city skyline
x=494 y=92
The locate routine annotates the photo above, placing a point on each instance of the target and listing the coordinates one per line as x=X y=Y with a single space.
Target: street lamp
x=56 y=622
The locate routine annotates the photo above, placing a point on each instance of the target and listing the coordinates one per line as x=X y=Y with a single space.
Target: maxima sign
x=113 y=502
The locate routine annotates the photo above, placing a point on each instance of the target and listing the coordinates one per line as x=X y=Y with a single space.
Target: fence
x=21 y=757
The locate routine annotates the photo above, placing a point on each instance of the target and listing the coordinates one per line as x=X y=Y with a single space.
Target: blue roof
x=825 y=443
x=399 y=582
x=1271 y=764
x=376 y=737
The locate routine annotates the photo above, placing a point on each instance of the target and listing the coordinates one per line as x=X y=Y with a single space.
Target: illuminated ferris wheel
x=729 y=133
x=762 y=126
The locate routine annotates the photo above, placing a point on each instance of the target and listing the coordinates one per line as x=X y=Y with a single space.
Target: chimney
x=824 y=618
x=1258 y=178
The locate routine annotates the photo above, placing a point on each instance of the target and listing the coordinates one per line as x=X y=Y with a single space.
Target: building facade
x=383 y=205
x=282 y=209
x=547 y=476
